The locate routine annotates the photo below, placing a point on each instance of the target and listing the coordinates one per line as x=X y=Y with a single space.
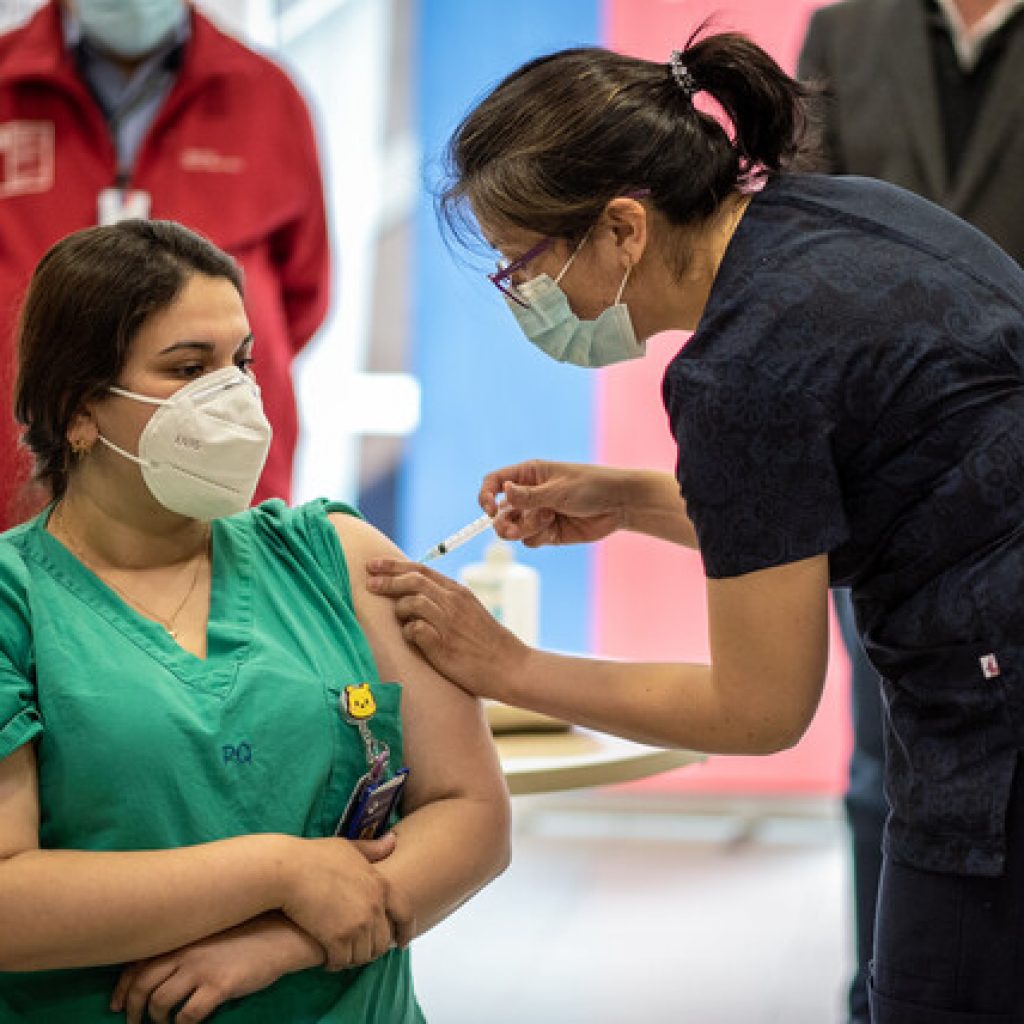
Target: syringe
x=458 y=538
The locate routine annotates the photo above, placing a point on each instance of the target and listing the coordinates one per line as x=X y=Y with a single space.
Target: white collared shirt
x=968 y=43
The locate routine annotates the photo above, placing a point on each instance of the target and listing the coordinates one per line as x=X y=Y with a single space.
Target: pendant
x=358 y=703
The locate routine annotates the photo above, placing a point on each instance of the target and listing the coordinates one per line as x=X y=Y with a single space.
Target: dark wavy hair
x=551 y=144
x=88 y=298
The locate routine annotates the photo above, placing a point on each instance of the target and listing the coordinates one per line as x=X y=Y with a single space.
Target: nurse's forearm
x=668 y=705
x=655 y=507
x=447 y=850
x=69 y=908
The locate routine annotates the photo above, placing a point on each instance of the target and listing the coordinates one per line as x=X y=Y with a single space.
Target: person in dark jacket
x=927 y=94
x=849 y=411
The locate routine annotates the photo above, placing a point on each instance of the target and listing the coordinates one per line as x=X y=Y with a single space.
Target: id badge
x=116 y=204
x=370 y=807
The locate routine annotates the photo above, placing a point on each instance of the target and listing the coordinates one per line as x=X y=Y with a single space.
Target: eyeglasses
x=502 y=277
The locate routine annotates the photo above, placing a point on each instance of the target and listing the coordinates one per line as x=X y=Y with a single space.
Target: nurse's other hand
x=333 y=892
x=554 y=502
x=452 y=629
x=203 y=976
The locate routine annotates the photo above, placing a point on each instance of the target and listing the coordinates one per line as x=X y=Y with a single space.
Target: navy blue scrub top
x=855 y=386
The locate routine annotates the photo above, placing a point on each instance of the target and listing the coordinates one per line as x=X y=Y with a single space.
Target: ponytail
x=767 y=108
x=558 y=138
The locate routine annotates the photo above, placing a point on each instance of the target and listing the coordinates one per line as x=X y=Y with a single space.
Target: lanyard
x=373 y=802
x=357 y=707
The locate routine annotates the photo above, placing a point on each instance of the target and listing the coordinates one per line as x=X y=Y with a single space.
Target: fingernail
x=375 y=583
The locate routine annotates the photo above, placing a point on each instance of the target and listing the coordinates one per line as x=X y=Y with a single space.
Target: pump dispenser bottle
x=509 y=590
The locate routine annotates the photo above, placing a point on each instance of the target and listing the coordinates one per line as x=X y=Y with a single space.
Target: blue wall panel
x=489 y=399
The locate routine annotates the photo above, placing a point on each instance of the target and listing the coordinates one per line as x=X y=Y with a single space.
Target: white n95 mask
x=203 y=449
x=549 y=322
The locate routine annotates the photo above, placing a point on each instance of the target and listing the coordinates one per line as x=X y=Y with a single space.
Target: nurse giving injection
x=849 y=411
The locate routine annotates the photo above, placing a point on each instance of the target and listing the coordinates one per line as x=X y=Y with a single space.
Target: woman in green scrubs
x=190 y=689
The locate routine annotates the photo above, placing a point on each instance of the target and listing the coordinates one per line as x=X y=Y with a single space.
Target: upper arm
x=757 y=462
x=19 y=802
x=20 y=719
x=446 y=740
x=769 y=646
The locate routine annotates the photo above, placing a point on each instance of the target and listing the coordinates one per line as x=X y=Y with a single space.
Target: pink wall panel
x=650 y=596
x=652 y=28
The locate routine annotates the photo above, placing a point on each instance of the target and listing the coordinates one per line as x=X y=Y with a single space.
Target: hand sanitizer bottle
x=509 y=590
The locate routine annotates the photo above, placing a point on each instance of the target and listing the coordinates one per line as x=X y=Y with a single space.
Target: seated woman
x=190 y=690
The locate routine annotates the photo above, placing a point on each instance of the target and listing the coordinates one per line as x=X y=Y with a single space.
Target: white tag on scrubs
x=989 y=666
x=115 y=204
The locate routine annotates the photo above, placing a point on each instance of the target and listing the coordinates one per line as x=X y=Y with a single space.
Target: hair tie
x=682 y=75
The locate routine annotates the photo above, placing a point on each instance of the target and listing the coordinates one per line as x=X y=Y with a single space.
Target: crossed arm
x=290 y=903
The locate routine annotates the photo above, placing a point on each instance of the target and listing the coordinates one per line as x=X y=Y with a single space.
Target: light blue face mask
x=549 y=322
x=129 y=28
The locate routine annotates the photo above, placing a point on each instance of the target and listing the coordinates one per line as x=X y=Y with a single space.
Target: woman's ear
x=626 y=218
x=83 y=431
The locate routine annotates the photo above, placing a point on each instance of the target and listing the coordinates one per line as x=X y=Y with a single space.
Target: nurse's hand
x=452 y=629
x=334 y=893
x=204 y=975
x=555 y=502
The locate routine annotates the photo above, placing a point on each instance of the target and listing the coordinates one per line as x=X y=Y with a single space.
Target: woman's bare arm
x=63 y=908
x=455 y=837
x=72 y=908
x=769 y=652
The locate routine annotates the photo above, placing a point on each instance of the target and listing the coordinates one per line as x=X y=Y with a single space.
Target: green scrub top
x=141 y=745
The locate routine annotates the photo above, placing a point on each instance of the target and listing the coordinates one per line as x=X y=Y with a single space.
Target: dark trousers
x=949 y=949
x=866 y=806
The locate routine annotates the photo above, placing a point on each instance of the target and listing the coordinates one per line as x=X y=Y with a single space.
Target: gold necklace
x=167 y=623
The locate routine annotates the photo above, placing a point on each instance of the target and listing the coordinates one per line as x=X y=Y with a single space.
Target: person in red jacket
x=130 y=108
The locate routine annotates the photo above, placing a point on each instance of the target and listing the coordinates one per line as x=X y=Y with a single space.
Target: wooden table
x=544 y=762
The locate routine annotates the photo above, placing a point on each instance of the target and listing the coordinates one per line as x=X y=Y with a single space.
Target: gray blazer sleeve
x=813 y=68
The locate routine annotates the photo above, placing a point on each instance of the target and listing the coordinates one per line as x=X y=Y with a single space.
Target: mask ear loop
x=124 y=393
x=121 y=451
x=622 y=287
x=575 y=253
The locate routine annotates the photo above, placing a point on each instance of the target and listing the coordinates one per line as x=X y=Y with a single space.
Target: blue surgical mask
x=549 y=322
x=129 y=28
